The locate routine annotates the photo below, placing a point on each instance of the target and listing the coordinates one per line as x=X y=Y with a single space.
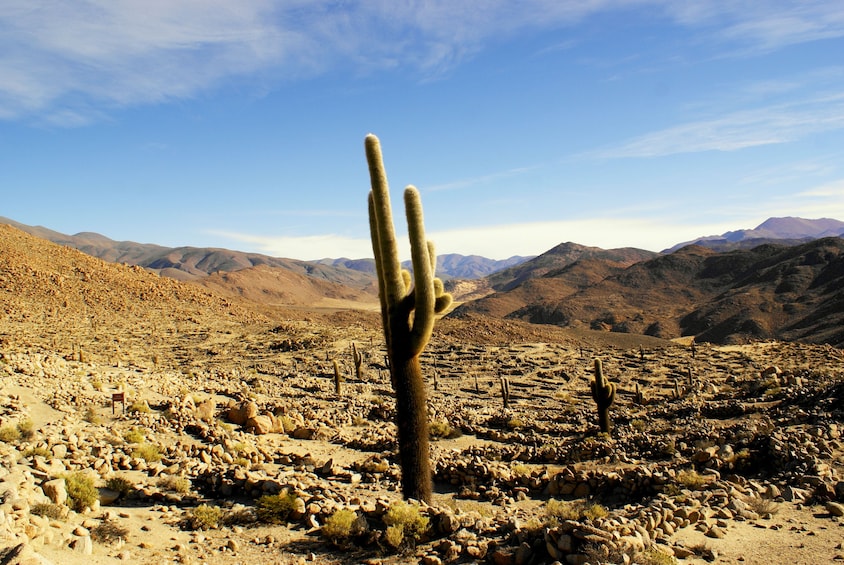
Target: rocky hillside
x=769 y=292
x=51 y=294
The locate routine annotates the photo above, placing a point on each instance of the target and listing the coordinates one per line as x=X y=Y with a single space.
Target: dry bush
x=109 y=532
x=180 y=485
x=203 y=517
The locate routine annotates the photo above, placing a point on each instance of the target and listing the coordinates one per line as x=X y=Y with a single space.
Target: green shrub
x=338 y=526
x=442 y=429
x=38 y=452
x=148 y=452
x=204 y=517
x=405 y=524
x=653 y=556
x=81 y=492
x=135 y=435
x=120 y=484
x=140 y=407
x=275 y=508
x=10 y=434
x=557 y=511
x=691 y=479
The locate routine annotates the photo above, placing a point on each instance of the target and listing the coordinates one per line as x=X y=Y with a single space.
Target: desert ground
x=236 y=443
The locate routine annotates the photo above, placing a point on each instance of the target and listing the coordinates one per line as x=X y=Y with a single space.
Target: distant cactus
x=407 y=315
x=338 y=378
x=603 y=392
x=638 y=397
x=357 y=359
x=505 y=392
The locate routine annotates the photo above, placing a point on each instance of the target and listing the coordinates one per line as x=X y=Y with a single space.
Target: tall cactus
x=603 y=392
x=407 y=315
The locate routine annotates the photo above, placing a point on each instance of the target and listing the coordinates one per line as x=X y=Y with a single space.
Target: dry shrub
x=109 y=532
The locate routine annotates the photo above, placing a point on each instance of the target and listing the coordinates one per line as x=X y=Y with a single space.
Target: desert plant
x=338 y=379
x=109 y=531
x=275 y=508
x=92 y=417
x=338 y=526
x=27 y=429
x=407 y=316
x=357 y=360
x=603 y=392
x=10 y=434
x=81 y=492
x=120 y=484
x=691 y=479
x=443 y=429
x=763 y=506
x=37 y=452
x=135 y=435
x=405 y=524
x=559 y=510
x=174 y=483
x=49 y=510
x=139 y=407
x=203 y=517
x=505 y=392
x=148 y=452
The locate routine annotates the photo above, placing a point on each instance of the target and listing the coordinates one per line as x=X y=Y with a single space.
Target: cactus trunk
x=413 y=434
x=603 y=393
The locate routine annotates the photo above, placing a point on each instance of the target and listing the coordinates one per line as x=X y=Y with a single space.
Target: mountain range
x=723 y=289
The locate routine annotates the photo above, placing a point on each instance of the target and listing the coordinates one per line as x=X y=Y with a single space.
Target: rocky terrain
x=236 y=442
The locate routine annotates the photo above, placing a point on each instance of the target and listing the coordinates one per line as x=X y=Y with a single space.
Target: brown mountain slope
x=275 y=286
x=561 y=257
x=190 y=263
x=63 y=294
x=771 y=291
x=550 y=278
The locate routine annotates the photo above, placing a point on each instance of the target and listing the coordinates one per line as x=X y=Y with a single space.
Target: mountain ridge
x=789 y=230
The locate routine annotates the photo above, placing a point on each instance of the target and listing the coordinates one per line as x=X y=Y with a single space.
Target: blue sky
x=523 y=124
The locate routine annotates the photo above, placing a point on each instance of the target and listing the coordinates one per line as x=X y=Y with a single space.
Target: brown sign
x=118 y=397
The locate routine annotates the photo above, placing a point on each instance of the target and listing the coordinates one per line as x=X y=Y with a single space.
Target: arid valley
x=250 y=432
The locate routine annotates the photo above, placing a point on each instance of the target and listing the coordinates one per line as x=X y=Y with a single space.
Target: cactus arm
x=423 y=276
x=381 y=221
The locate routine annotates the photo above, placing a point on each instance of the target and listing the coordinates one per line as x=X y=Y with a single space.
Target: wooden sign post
x=118 y=397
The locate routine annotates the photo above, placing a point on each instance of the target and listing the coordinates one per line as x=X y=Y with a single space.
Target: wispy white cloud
x=479 y=180
x=779 y=123
x=68 y=62
x=308 y=248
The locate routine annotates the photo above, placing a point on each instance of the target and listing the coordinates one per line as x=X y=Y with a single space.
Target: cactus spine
x=603 y=392
x=407 y=315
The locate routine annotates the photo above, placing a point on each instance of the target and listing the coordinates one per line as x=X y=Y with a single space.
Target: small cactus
x=505 y=392
x=357 y=359
x=338 y=378
x=603 y=392
x=639 y=397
